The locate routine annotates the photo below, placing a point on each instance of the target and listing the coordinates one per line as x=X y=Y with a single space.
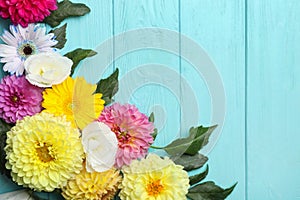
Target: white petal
x=8 y=67
x=88 y=166
x=46 y=69
x=13 y=67
x=22 y=32
x=9 y=59
x=100 y=145
x=46 y=49
x=31 y=31
x=9 y=39
x=101 y=165
x=15 y=31
x=45 y=41
x=38 y=80
x=39 y=31
x=19 y=70
x=6 y=50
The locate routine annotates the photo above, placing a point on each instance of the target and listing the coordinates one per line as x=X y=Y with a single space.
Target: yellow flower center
x=41 y=72
x=15 y=99
x=154 y=188
x=71 y=106
x=44 y=152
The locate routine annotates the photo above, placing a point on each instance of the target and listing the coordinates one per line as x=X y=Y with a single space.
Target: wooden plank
x=273 y=99
x=144 y=61
x=91 y=32
x=218 y=27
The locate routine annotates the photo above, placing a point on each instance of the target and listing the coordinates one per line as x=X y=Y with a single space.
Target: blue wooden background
x=255 y=46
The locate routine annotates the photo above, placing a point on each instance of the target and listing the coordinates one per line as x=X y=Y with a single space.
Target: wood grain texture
x=151 y=94
x=90 y=31
x=273 y=99
x=218 y=26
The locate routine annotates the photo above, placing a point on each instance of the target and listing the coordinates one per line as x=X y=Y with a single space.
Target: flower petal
x=47 y=69
x=100 y=145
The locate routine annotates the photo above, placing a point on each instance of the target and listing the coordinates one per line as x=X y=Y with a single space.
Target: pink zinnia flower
x=18 y=98
x=133 y=131
x=24 y=12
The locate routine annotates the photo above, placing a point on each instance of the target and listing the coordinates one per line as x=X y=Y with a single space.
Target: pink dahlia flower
x=18 y=98
x=133 y=131
x=24 y=12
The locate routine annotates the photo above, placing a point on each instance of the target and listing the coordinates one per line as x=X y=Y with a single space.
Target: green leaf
x=38 y=195
x=209 y=191
x=190 y=162
x=60 y=34
x=178 y=147
x=190 y=145
x=3 y=169
x=203 y=134
x=151 y=119
x=4 y=127
x=198 y=177
x=56 y=194
x=116 y=197
x=66 y=9
x=108 y=87
x=78 y=55
x=154 y=134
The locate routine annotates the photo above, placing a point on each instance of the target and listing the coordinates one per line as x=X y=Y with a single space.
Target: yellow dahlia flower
x=93 y=186
x=74 y=98
x=43 y=152
x=154 y=178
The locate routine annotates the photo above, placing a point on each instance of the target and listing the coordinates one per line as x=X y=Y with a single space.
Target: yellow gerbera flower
x=74 y=98
x=43 y=152
x=154 y=178
x=95 y=185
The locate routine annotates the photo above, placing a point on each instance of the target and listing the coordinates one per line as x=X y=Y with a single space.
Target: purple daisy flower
x=18 y=98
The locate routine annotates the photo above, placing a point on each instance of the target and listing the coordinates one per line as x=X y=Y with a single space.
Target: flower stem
x=155 y=147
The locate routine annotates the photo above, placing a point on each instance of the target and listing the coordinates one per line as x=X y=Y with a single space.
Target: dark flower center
x=27 y=50
x=15 y=98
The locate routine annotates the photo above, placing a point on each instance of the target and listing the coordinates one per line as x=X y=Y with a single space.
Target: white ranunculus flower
x=47 y=69
x=100 y=145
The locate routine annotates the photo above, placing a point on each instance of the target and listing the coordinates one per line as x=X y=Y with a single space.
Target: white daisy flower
x=22 y=43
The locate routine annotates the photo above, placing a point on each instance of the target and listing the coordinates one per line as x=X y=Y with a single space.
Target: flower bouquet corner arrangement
x=61 y=135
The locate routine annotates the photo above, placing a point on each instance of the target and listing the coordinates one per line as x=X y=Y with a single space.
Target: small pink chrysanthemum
x=18 y=98
x=133 y=131
x=24 y=12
